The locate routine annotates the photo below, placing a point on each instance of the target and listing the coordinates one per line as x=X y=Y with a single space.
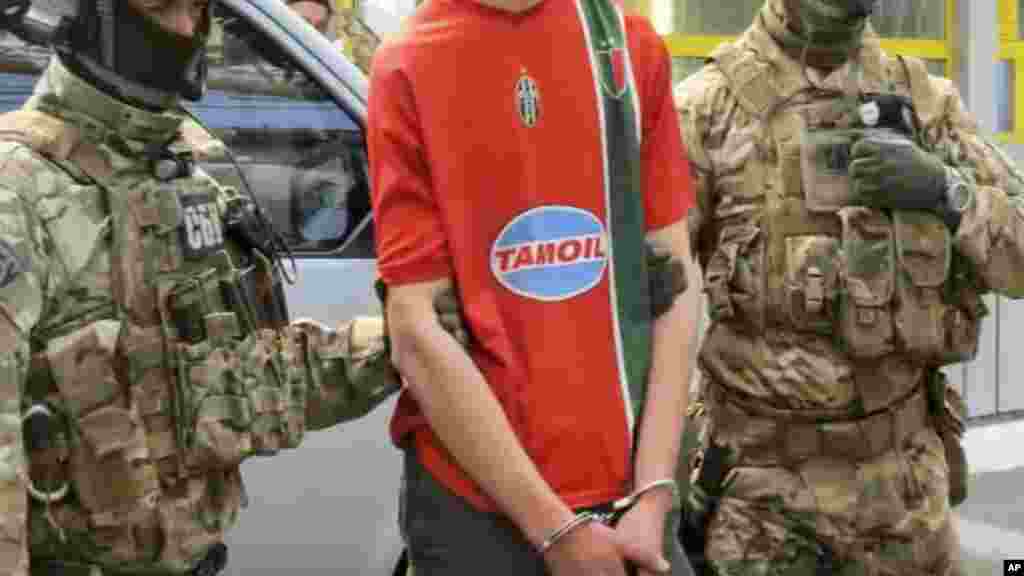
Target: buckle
x=38 y=418
x=814 y=295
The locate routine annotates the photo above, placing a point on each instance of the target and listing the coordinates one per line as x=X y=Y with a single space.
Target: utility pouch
x=811 y=282
x=923 y=253
x=865 y=320
x=964 y=313
x=824 y=168
x=243 y=397
x=110 y=464
x=949 y=413
x=191 y=301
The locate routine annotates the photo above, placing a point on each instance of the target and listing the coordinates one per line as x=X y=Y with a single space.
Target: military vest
x=811 y=260
x=157 y=373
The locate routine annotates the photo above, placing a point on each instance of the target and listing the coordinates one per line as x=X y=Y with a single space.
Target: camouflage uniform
x=828 y=322
x=144 y=383
x=357 y=40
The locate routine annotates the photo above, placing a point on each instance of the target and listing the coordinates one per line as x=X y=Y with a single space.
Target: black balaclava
x=116 y=46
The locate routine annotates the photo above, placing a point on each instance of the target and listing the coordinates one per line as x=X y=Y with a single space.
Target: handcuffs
x=619 y=507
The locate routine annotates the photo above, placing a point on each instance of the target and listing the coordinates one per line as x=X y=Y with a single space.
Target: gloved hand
x=890 y=171
x=449 y=315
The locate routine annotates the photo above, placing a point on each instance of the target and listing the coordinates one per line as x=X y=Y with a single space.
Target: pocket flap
x=109 y=429
x=82 y=364
x=234 y=410
x=923 y=247
x=868 y=256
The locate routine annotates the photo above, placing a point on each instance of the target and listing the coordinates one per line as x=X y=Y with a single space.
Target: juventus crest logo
x=528 y=100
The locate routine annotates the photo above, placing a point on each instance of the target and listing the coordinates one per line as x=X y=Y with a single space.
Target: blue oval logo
x=550 y=253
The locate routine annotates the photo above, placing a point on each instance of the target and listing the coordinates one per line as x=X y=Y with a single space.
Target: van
x=292 y=109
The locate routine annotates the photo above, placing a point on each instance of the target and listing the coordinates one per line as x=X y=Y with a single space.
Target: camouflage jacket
x=120 y=325
x=747 y=166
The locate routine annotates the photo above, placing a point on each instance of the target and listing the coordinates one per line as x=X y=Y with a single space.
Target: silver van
x=293 y=110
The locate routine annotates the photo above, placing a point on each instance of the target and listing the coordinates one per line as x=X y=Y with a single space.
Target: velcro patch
x=201 y=231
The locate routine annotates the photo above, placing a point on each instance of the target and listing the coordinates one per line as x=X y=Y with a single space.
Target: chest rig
x=795 y=251
x=140 y=408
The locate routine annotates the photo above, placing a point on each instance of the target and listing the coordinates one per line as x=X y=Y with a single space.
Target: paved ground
x=329 y=508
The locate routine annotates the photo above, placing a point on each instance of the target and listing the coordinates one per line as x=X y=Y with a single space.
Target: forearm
x=674 y=346
x=465 y=414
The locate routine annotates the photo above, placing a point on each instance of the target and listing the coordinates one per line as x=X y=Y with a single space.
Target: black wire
x=278 y=243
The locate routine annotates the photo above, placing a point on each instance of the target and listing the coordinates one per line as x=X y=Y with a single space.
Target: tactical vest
x=809 y=259
x=143 y=402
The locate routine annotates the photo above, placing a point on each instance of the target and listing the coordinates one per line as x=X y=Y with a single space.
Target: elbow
x=413 y=348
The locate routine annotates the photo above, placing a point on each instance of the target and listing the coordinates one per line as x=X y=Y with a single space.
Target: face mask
x=833 y=22
x=824 y=33
x=153 y=57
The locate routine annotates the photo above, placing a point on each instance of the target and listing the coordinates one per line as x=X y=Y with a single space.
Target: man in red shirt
x=494 y=170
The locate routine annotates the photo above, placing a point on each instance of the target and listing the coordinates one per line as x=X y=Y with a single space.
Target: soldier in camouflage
x=145 y=350
x=356 y=39
x=850 y=218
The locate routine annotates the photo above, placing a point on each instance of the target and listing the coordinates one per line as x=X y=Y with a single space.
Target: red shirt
x=486 y=164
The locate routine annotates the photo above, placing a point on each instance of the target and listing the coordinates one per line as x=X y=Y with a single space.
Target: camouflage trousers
x=886 y=516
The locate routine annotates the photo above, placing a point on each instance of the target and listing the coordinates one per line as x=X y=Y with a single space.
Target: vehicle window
x=20 y=67
x=301 y=154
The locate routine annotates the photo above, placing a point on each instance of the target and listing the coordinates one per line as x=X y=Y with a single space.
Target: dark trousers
x=445 y=536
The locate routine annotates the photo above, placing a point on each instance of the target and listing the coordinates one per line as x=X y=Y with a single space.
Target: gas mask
x=114 y=45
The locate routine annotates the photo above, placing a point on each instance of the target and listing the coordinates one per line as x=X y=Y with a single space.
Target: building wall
x=988 y=381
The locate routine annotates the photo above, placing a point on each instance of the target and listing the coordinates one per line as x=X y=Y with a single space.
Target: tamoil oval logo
x=550 y=253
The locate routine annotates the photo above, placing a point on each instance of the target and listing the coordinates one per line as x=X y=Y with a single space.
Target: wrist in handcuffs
x=642 y=495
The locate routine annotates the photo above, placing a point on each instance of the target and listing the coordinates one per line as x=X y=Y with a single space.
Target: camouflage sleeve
x=350 y=370
x=706 y=110
x=23 y=266
x=991 y=233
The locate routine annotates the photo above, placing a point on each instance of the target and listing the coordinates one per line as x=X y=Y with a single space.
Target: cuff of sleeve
x=425 y=271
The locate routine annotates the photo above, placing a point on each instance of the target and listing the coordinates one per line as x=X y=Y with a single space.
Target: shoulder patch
x=10 y=265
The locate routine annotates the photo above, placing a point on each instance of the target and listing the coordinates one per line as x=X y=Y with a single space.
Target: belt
x=777 y=440
x=211 y=564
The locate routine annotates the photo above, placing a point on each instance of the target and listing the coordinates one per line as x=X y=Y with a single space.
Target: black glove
x=890 y=171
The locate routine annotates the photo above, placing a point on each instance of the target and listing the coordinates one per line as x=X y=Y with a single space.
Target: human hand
x=890 y=171
x=633 y=548
x=449 y=315
x=592 y=549
x=643 y=526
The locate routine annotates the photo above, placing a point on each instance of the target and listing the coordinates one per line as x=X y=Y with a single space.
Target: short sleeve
x=667 y=183
x=409 y=230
